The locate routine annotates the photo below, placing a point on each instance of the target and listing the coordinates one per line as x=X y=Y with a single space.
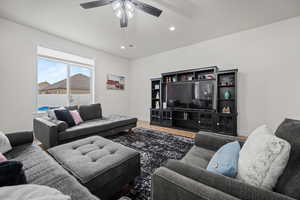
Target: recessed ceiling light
x=172 y=28
x=123 y=47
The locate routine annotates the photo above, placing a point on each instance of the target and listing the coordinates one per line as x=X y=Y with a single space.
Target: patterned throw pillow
x=225 y=160
x=76 y=116
x=263 y=158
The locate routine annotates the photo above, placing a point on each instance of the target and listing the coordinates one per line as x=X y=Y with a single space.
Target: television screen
x=181 y=94
x=197 y=95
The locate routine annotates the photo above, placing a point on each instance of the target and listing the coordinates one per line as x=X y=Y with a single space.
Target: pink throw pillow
x=76 y=117
x=2 y=158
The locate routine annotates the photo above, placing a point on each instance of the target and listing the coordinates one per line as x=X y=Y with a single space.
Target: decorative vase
x=157 y=105
x=157 y=95
x=227 y=95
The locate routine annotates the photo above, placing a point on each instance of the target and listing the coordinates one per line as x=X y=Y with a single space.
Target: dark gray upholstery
x=41 y=169
x=225 y=184
x=20 y=138
x=289 y=181
x=97 y=162
x=90 y=112
x=214 y=141
x=46 y=132
x=95 y=126
x=52 y=133
x=189 y=179
x=170 y=185
x=198 y=157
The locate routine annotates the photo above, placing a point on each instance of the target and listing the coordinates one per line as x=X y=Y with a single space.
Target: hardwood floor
x=143 y=124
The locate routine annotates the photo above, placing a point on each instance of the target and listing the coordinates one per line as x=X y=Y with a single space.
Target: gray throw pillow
x=90 y=112
x=288 y=183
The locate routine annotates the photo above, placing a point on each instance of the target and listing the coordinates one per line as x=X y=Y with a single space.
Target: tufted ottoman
x=99 y=164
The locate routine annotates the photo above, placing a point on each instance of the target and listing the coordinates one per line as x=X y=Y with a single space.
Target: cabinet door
x=155 y=116
x=205 y=121
x=167 y=118
x=225 y=124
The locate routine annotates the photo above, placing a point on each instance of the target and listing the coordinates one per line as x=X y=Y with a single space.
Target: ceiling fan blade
x=94 y=4
x=147 y=8
x=124 y=21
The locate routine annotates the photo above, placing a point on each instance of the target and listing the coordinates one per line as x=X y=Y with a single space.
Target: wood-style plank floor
x=143 y=124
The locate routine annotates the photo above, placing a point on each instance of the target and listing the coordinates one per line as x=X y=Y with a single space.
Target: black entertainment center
x=196 y=99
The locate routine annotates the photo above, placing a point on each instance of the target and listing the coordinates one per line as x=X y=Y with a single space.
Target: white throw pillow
x=31 y=192
x=263 y=158
x=4 y=143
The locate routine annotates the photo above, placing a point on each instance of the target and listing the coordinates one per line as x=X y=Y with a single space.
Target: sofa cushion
x=96 y=126
x=288 y=183
x=31 y=192
x=96 y=158
x=41 y=169
x=198 y=157
x=90 y=112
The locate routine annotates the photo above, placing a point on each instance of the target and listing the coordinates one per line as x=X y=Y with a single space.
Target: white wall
x=268 y=59
x=18 y=74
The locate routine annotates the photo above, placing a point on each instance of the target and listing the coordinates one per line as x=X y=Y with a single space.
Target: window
x=63 y=82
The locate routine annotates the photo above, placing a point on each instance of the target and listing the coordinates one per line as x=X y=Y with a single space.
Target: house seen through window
x=63 y=83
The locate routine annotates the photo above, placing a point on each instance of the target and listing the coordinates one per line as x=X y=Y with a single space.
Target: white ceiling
x=195 y=21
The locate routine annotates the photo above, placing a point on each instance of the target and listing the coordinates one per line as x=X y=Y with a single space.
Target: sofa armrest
x=169 y=185
x=224 y=184
x=46 y=132
x=20 y=138
x=214 y=141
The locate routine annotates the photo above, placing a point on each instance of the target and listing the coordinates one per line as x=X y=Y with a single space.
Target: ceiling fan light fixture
x=129 y=6
x=129 y=14
x=119 y=13
x=121 y=7
x=116 y=5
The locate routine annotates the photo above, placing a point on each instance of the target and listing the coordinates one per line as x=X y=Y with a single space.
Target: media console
x=196 y=99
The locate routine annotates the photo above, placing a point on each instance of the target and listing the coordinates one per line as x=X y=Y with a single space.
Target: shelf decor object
x=227 y=95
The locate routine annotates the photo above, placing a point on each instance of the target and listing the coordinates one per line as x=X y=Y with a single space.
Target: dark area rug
x=155 y=148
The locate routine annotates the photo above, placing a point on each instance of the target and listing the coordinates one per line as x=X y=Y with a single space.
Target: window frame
x=69 y=65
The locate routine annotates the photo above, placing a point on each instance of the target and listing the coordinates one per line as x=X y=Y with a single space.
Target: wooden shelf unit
x=191 y=119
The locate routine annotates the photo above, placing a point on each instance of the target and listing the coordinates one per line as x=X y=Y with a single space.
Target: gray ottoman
x=99 y=164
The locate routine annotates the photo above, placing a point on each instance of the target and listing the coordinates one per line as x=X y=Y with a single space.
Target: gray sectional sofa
x=42 y=169
x=51 y=132
x=188 y=178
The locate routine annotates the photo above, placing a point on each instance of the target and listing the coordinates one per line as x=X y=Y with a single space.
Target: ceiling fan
x=124 y=9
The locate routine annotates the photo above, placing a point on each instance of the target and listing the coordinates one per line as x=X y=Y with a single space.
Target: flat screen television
x=197 y=95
